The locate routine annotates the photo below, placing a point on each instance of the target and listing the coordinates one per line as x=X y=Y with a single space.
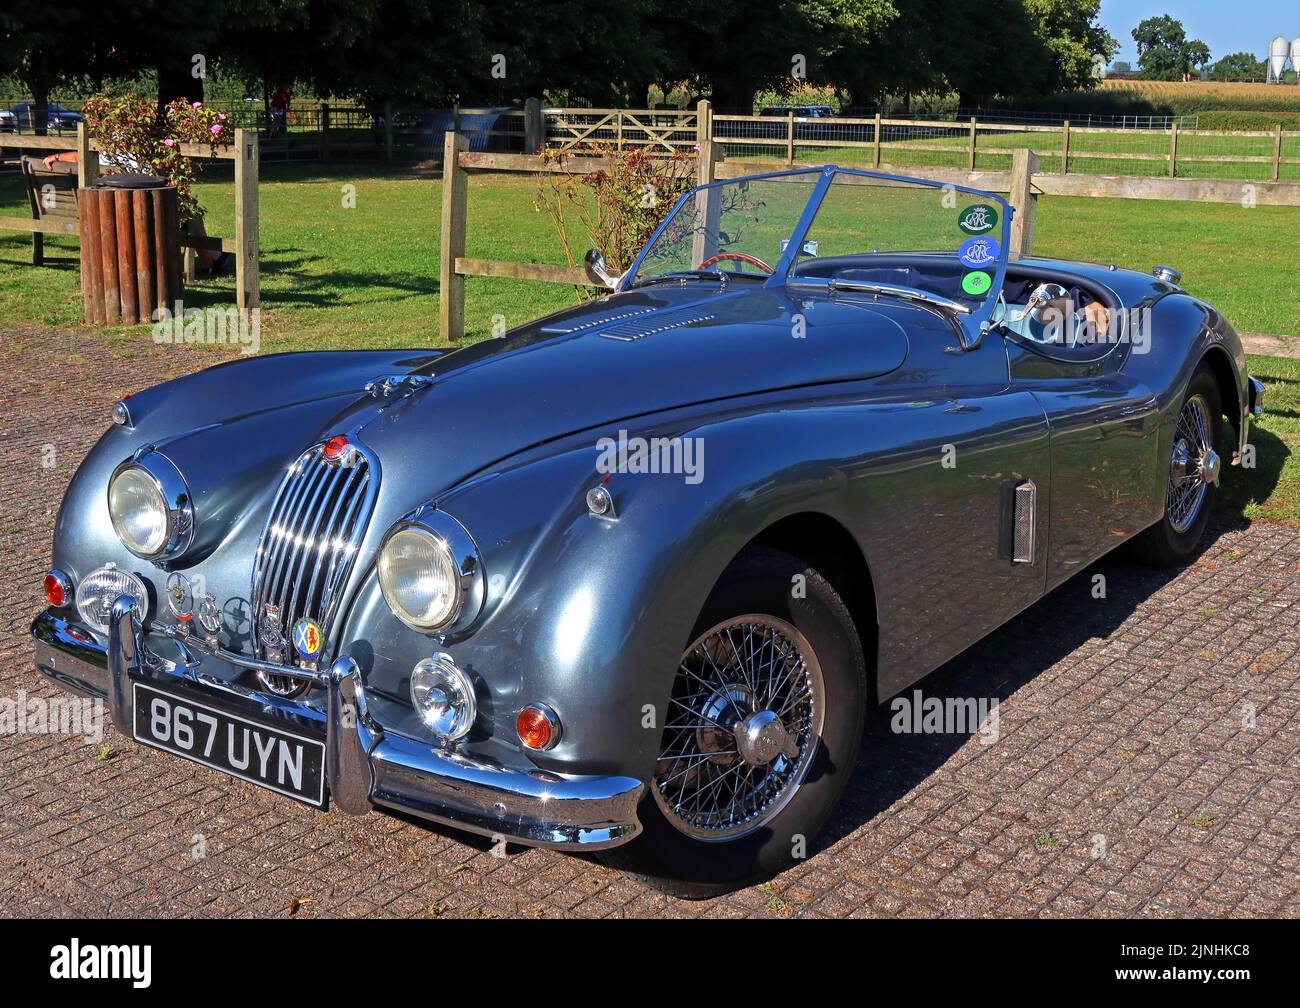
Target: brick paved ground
x=1124 y=726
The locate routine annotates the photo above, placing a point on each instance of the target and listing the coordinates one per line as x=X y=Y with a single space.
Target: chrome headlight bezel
x=178 y=504
x=447 y=534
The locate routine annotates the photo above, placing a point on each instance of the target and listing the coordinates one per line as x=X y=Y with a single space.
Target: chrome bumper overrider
x=364 y=765
x=1253 y=408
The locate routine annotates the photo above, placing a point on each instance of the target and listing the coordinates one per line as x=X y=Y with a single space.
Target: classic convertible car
x=625 y=578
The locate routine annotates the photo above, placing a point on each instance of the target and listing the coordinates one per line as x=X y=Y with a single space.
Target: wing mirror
x=597 y=272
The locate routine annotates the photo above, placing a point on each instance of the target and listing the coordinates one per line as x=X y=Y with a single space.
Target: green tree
x=46 y=47
x=1238 y=66
x=1164 y=50
x=1069 y=31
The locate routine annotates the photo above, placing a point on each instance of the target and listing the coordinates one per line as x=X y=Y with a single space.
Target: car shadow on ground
x=891 y=764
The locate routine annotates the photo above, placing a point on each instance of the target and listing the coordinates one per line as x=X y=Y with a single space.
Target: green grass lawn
x=368 y=277
x=1272 y=489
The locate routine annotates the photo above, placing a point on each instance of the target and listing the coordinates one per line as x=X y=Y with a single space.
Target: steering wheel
x=738 y=257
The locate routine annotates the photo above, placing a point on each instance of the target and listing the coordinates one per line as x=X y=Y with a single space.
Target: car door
x=966 y=451
x=1103 y=435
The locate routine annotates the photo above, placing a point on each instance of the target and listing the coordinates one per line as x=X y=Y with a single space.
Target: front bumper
x=365 y=766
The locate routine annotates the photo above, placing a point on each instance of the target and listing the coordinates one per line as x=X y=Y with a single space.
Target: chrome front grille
x=310 y=540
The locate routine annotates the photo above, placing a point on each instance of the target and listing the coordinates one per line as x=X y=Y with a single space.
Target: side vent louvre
x=1022 y=549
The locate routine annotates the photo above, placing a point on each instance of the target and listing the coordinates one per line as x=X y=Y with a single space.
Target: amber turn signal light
x=538 y=727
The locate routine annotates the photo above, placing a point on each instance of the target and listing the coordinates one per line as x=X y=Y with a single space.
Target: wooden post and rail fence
x=1024 y=183
x=131 y=237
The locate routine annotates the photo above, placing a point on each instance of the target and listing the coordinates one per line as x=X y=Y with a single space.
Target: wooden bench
x=52 y=193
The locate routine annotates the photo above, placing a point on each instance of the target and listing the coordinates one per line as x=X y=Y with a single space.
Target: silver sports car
x=625 y=578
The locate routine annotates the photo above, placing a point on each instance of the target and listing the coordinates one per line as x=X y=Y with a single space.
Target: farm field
x=1210 y=94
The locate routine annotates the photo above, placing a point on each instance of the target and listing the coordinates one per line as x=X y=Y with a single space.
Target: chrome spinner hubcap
x=743 y=726
x=1194 y=465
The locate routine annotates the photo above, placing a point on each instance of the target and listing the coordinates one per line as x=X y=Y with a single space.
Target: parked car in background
x=800 y=111
x=626 y=578
x=8 y=121
x=57 y=117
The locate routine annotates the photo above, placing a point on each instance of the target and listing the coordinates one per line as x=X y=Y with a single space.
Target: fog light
x=538 y=727
x=443 y=696
x=58 y=589
x=100 y=589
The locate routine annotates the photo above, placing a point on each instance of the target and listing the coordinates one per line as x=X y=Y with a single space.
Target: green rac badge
x=978 y=219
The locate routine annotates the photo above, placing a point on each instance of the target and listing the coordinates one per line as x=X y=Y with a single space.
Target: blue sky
x=1226 y=26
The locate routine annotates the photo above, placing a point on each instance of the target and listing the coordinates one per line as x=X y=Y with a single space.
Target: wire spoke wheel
x=742 y=728
x=1193 y=465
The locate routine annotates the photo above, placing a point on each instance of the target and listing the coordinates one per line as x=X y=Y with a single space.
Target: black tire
x=1164 y=545
x=761 y=582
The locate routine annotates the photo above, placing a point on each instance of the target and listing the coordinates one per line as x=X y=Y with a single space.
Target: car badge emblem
x=307 y=639
x=180 y=597
x=270 y=632
x=978 y=219
x=209 y=617
x=978 y=252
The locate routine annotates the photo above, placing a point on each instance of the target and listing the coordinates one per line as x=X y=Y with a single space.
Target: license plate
x=272 y=758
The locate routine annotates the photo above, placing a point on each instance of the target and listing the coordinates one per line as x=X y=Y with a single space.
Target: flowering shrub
x=618 y=206
x=133 y=137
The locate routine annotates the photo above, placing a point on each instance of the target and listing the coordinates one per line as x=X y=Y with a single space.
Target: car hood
x=625 y=357
x=234 y=429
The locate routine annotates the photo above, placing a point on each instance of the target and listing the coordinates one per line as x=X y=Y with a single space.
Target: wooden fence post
x=1277 y=153
x=1024 y=166
x=534 y=126
x=704 y=242
x=324 y=131
x=88 y=160
x=1065 y=148
x=451 y=285
x=703 y=121
x=789 y=137
x=1173 y=149
x=248 y=251
x=875 y=156
x=970 y=158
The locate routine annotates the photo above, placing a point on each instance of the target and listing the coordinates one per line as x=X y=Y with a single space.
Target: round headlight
x=443 y=696
x=139 y=511
x=100 y=588
x=151 y=508
x=419 y=578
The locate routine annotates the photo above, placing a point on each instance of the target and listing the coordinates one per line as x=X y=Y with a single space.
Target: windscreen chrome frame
x=973 y=326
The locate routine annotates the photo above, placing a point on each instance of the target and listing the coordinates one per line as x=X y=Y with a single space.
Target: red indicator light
x=54 y=592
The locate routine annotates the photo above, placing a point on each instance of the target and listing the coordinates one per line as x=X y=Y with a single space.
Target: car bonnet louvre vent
x=312 y=533
x=605 y=318
x=635 y=329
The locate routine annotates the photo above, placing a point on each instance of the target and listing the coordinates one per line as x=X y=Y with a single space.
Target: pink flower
x=221 y=116
x=216 y=130
x=169 y=142
x=196 y=105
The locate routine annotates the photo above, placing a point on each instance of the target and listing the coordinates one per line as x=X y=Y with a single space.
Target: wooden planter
x=130 y=253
